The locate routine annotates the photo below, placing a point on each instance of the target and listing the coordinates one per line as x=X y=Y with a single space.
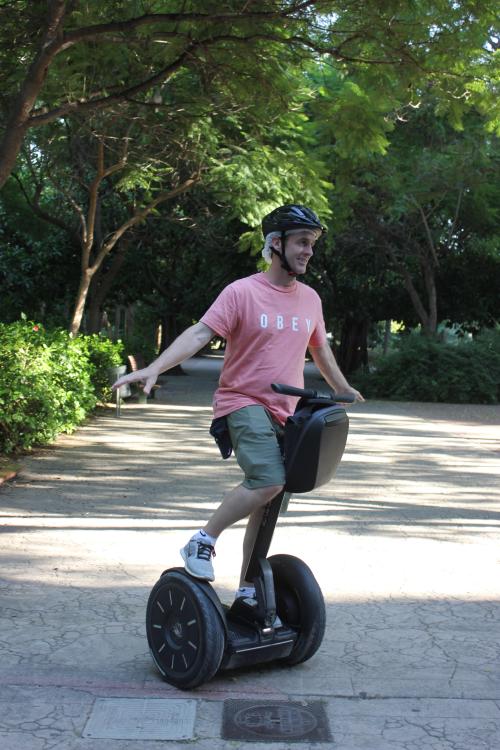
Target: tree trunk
x=101 y=286
x=387 y=336
x=428 y=318
x=353 y=349
x=9 y=148
x=430 y=286
x=81 y=298
x=88 y=271
x=18 y=119
x=169 y=332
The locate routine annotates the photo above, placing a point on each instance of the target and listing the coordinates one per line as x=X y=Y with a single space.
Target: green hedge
x=423 y=369
x=49 y=382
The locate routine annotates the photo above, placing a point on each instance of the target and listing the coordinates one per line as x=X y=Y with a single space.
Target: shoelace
x=205 y=551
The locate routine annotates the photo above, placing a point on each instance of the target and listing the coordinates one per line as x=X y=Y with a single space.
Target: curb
x=8 y=473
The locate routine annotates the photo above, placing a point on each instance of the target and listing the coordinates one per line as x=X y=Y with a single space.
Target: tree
x=405 y=207
x=186 y=258
x=112 y=172
x=430 y=172
x=32 y=254
x=104 y=189
x=417 y=203
x=88 y=57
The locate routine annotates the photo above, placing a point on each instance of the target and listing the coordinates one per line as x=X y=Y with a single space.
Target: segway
x=192 y=635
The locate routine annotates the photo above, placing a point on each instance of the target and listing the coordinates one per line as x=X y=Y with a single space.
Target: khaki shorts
x=255 y=441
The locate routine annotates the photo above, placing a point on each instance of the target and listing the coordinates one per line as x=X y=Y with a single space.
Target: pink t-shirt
x=267 y=330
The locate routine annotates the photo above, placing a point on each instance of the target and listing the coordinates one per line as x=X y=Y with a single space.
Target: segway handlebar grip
x=344 y=398
x=309 y=393
x=290 y=390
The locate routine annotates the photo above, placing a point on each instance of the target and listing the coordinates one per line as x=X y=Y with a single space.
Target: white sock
x=246 y=592
x=202 y=536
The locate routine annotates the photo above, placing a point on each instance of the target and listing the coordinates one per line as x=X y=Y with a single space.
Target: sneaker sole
x=195 y=575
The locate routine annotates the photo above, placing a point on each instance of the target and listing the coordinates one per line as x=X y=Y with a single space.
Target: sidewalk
x=404 y=543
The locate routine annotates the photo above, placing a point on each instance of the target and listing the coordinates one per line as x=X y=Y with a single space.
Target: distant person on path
x=269 y=320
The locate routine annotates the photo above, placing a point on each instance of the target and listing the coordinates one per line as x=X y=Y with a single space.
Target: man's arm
x=188 y=343
x=328 y=367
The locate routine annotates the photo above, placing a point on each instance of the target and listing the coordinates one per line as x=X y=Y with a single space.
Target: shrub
x=102 y=353
x=49 y=382
x=423 y=369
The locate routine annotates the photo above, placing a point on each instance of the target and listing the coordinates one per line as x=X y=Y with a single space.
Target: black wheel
x=185 y=633
x=300 y=604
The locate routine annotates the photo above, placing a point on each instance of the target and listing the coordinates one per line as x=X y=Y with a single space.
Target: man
x=269 y=320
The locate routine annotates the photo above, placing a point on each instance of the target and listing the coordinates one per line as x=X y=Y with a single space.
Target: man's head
x=296 y=226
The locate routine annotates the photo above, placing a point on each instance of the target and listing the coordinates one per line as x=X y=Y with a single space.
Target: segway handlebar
x=309 y=393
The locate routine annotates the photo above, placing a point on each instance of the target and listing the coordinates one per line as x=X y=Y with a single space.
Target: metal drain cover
x=275 y=721
x=141 y=719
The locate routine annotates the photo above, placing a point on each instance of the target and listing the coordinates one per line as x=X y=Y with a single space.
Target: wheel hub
x=177 y=630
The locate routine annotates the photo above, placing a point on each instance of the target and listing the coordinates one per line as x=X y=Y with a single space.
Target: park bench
x=136 y=362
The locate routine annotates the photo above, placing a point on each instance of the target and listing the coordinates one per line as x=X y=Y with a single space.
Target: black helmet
x=289 y=217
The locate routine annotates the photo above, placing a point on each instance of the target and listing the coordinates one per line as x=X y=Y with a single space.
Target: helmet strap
x=284 y=262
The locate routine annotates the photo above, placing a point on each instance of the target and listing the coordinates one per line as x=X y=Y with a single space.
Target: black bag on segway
x=314 y=441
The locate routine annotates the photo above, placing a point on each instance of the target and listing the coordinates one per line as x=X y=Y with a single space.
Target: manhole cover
x=141 y=719
x=275 y=721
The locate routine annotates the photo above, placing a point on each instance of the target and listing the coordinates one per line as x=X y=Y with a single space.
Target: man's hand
x=145 y=377
x=327 y=365
x=353 y=392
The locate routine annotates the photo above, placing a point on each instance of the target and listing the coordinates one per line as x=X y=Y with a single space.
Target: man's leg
x=251 y=532
x=225 y=513
x=237 y=504
x=254 y=439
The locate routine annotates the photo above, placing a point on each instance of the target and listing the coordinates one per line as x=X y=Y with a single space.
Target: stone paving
x=404 y=543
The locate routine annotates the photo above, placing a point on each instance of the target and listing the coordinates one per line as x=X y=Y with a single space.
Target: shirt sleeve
x=318 y=336
x=222 y=315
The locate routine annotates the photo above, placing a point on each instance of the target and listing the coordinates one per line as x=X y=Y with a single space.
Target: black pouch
x=220 y=433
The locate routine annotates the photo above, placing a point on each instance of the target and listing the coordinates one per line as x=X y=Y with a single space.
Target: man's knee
x=266 y=494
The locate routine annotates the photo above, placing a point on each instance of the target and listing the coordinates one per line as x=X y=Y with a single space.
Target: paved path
x=404 y=543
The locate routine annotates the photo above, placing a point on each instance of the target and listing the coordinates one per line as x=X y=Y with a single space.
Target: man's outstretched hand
x=144 y=377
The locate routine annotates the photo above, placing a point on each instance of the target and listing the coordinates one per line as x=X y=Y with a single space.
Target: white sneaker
x=197 y=558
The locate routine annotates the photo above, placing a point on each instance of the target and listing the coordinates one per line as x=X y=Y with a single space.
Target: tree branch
x=18 y=120
x=428 y=232
x=92 y=33
x=102 y=102
x=410 y=287
x=457 y=213
x=140 y=215
x=43 y=116
x=34 y=202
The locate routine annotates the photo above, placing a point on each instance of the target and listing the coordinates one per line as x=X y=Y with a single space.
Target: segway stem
x=264 y=537
x=264 y=591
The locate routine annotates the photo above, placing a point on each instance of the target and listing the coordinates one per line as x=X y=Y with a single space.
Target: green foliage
x=352 y=117
x=423 y=218
x=469 y=283
x=424 y=369
x=31 y=256
x=374 y=97
x=142 y=338
x=101 y=353
x=49 y=382
x=183 y=260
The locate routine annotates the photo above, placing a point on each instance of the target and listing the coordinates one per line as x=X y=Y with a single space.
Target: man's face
x=299 y=249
